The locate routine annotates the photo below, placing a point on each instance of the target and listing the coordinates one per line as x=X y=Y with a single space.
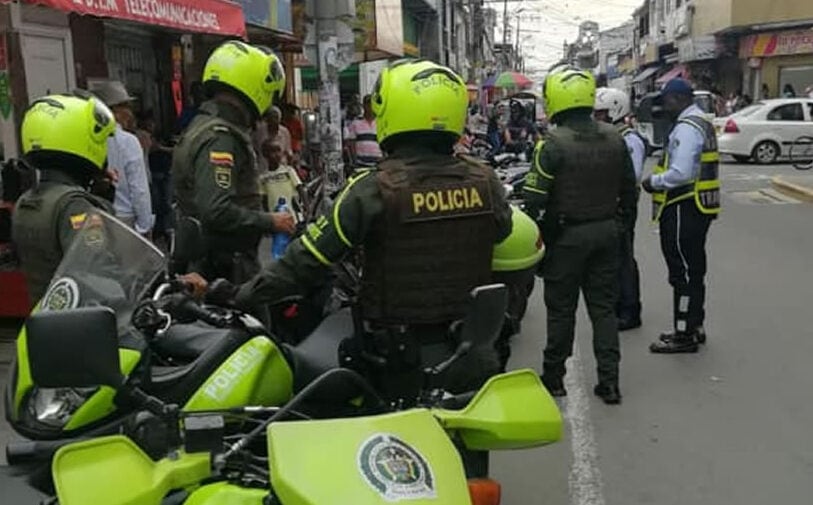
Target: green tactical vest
x=433 y=244
x=35 y=230
x=204 y=128
x=589 y=178
x=705 y=189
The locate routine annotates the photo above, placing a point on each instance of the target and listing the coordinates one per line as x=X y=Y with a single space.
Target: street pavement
x=729 y=425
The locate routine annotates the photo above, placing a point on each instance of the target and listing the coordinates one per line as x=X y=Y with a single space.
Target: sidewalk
x=799 y=185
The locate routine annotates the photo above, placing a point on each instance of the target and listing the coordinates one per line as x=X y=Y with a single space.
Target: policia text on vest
x=448 y=201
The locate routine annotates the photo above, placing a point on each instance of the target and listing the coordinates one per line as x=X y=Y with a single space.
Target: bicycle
x=801 y=153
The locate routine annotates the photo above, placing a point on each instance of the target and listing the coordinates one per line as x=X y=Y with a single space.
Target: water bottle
x=280 y=239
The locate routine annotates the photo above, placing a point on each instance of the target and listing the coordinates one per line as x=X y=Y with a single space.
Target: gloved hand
x=195 y=283
x=646 y=184
x=221 y=292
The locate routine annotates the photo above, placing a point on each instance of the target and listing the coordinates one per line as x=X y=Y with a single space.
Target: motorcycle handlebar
x=191 y=307
x=18 y=453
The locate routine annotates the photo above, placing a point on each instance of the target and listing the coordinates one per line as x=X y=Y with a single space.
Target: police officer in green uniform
x=425 y=221
x=685 y=191
x=582 y=183
x=65 y=137
x=214 y=165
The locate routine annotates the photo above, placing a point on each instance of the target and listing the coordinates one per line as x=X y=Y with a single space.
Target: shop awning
x=644 y=75
x=678 y=71
x=206 y=16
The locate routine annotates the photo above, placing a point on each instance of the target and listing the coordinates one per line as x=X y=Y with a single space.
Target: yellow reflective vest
x=705 y=189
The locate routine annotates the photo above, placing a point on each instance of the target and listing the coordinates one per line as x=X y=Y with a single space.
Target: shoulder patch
x=77 y=220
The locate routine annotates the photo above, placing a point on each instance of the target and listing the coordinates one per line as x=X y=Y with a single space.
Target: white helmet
x=614 y=101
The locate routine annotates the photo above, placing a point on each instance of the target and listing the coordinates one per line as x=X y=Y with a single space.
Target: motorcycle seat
x=185 y=342
x=319 y=352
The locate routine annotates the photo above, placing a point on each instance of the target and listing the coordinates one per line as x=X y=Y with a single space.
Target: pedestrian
x=421 y=259
x=125 y=155
x=809 y=91
x=214 y=173
x=581 y=183
x=613 y=106
x=766 y=92
x=685 y=189
x=190 y=109
x=291 y=120
x=361 y=138
x=281 y=180
x=788 y=91
x=48 y=216
x=278 y=132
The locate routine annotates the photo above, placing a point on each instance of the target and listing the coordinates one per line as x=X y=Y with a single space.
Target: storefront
x=54 y=46
x=777 y=61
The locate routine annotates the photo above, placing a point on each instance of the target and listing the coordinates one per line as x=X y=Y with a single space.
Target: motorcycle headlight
x=54 y=407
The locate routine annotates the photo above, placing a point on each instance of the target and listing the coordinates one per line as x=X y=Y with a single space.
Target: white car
x=765 y=130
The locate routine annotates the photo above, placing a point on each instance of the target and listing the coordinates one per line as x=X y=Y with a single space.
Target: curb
x=795 y=190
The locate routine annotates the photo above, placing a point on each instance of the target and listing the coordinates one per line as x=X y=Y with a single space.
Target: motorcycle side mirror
x=74 y=348
x=511 y=411
x=485 y=315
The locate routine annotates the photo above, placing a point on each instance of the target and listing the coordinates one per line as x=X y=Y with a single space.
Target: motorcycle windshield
x=108 y=264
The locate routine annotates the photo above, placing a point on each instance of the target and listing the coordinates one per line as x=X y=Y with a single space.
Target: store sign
x=274 y=14
x=206 y=16
x=777 y=44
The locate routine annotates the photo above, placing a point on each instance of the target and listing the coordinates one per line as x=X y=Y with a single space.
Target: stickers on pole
x=395 y=469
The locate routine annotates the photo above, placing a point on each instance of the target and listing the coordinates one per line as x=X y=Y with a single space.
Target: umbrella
x=508 y=80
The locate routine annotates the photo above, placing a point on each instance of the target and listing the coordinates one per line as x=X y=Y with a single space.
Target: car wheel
x=765 y=152
x=741 y=158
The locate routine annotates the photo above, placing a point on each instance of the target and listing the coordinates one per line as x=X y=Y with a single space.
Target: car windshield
x=107 y=264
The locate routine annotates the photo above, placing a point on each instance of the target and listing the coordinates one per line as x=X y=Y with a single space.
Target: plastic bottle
x=280 y=239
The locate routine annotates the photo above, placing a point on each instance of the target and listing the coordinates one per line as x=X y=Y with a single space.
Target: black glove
x=646 y=185
x=221 y=292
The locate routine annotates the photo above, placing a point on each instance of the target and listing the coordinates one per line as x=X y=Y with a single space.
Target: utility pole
x=332 y=57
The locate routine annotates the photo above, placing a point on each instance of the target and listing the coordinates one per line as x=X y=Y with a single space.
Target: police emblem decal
x=396 y=470
x=62 y=295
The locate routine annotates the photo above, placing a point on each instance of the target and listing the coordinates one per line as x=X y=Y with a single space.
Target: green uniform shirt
x=308 y=259
x=216 y=177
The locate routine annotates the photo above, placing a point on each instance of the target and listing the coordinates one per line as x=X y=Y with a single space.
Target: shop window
x=788 y=112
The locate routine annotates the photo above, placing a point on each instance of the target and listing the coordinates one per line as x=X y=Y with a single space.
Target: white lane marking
x=584 y=481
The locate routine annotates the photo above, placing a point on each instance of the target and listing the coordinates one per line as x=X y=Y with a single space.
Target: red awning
x=677 y=72
x=206 y=16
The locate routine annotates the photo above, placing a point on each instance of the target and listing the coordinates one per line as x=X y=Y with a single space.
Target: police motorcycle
x=197 y=356
x=383 y=453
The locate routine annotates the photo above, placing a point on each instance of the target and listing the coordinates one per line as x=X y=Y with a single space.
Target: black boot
x=674 y=343
x=554 y=385
x=608 y=392
x=699 y=336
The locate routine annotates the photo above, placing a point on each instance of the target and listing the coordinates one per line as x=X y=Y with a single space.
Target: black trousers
x=583 y=258
x=628 y=307
x=683 y=230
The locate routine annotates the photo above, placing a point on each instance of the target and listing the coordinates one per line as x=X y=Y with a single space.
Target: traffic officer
x=613 y=106
x=214 y=165
x=581 y=183
x=685 y=191
x=65 y=138
x=427 y=223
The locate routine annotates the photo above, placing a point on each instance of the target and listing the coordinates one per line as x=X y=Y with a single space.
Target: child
x=281 y=181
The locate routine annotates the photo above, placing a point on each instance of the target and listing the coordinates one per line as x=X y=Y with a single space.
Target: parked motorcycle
x=199 y=357
x=380 y=456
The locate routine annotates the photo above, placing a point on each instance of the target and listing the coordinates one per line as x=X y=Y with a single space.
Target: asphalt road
x=729 y=425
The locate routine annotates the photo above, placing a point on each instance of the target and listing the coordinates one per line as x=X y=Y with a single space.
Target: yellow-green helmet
x=568 y=88
x=419 y=96
x=254 y=72
x=76 y=125
x=522 y=249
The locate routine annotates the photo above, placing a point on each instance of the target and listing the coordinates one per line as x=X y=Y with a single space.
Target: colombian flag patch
x=221 y=158
x=77 y=220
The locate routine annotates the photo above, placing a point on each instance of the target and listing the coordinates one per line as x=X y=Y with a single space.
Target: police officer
x=613 y=106
x=427 y=223
x=685 y=191
x=214 y=165
x=65 y=137
x=581 y=183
